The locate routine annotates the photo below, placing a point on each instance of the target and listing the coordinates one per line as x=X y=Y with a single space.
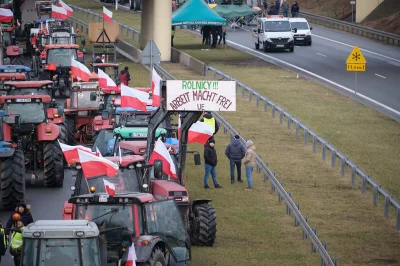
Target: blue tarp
x=196 y=12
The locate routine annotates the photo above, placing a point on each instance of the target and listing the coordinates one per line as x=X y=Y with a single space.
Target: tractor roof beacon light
x=92 y=189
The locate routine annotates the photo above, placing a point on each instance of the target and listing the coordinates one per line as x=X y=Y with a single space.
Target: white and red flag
x=105 y=82
x=131 y=261
x=199 y=132
x=110 y=187
x=6 y=15
x=131 y=97
x=156 y=88
x=71 y=152
x=96 y=166
x=79 y=70
x=107 y=14
x=66 y=7
x=58 y=12
x=160 y=152
x=98 y=153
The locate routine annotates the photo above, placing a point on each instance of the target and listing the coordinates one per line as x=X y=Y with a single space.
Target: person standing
x=295 y=9
x=205 y=31
x=16 y=243
x=249 y=162
x=24 y=212
x=235 y=151
x=271 y=10
x=223 y=34
x=277 y=7
x=211 y=160
x=3 y=241
x=210 y=120
x=124 y=76
x=214 y=33
x=172 y=35
x=285 y=8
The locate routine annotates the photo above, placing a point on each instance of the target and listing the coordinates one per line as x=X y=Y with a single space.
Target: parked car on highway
x=303 y=35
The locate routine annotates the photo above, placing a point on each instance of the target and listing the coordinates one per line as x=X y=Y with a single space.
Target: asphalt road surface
x=327 y=58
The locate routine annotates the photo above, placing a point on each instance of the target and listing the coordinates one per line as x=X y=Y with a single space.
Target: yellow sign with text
x=356 y=67
x=356 y=61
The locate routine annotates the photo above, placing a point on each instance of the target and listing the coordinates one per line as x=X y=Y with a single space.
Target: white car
x=303 y=34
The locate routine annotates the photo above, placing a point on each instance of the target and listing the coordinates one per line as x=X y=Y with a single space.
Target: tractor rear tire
x=205 y=227
x=70 y=122
x=12 y=180
x=157 y=258
x=52 y=155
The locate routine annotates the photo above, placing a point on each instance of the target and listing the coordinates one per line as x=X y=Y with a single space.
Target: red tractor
x=80 y=111
x=37 y=149
x=156 y=227
x=11 y=49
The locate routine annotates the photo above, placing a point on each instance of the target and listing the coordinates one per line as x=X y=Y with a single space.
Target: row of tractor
x=46 y=108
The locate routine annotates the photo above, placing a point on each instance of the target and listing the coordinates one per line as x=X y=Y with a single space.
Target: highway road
x=327 y=58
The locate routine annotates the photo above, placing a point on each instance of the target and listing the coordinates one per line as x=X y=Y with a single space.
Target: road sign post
x=151 y=55
x=352 y=3
x=356 y=63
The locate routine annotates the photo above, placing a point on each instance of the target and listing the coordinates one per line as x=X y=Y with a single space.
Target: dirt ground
x=389 y=24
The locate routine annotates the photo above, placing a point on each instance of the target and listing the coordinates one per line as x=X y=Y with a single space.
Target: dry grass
x=355 y=231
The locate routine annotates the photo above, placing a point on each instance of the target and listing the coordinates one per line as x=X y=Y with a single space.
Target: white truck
x=274 y=32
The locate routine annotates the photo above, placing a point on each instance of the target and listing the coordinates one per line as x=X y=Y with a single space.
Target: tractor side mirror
x=126 y=237
x=93 y=96
x=60 y=110
x=259 y=30
x=84 y=51
x=310 y=28
x=83 y=41
x=197 y=159
x=104 y=115
x=295 y=30
x=17 y=121
x=158 y=165
x=101 y=106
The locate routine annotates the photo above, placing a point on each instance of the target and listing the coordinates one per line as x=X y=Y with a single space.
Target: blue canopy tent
x=196 y=12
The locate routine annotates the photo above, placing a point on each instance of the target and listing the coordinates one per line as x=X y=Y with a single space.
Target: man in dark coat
x=235 y=151
x=214 y=33
x=24 y=212
x=295 y=9
x=211 y=160
x=205 y=31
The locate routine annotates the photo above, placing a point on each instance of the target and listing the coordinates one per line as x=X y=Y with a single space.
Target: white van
x=303 y=34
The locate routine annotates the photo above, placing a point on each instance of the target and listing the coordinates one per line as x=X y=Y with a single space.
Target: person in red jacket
x=124 y=76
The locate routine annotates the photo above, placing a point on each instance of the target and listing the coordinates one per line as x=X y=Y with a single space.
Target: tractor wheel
x=204 y=225
x=156 y=259
x=70 y=121
x=12 y=180
x=52 y=157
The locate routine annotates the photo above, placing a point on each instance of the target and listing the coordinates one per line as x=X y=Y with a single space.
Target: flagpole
x=87 y=183
x=104 y=31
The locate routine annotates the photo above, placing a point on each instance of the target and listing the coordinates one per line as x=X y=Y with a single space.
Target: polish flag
x=160 y=152
x=66 y=7
x=107 y=14
x=71 y=152
x=131 y=97
x=199 y=132
x=105 y=81
x=18 y=24
x=6 y=15
x=131 y=261
x=110 y=187
x=58 y=12
x=79 y=70
x=156 y=88
x=96 y=166
x=98 y=153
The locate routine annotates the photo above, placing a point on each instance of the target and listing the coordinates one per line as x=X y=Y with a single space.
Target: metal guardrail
x=291 y=206
x=389 y=199
x=378 y=35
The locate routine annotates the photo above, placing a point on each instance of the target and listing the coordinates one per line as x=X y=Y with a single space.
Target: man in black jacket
x=24 y=212
x=210 y=162
x=235 y=151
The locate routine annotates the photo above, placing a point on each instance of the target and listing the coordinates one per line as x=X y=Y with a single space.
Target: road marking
x=321 y=55
x=364 y=50
x=380 y=76
x=319 y=77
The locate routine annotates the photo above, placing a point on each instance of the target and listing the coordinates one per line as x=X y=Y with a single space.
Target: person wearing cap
x=3 y=241
x=16 y=242
x=211 y=160
x=249 y=162
x=235 y=151
x=24 y=212
x=210 y=120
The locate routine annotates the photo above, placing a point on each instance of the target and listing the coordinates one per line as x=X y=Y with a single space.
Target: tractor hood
x=136 y=132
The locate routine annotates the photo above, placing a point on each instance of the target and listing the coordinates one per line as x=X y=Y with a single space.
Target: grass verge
x=369 y=138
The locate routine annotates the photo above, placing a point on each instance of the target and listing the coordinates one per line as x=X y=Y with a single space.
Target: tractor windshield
x=28 y=112
x=29 y=91
x=126 y=181
x=61 y=252
x=61 y=57
x=60 y=38
x=103 y=139
x=163 y=219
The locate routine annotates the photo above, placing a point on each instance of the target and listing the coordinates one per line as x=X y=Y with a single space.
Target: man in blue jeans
x=235 y=151
x=211 y=160
x=250 y=161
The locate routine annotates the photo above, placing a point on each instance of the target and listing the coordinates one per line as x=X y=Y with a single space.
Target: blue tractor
x=12 y=171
